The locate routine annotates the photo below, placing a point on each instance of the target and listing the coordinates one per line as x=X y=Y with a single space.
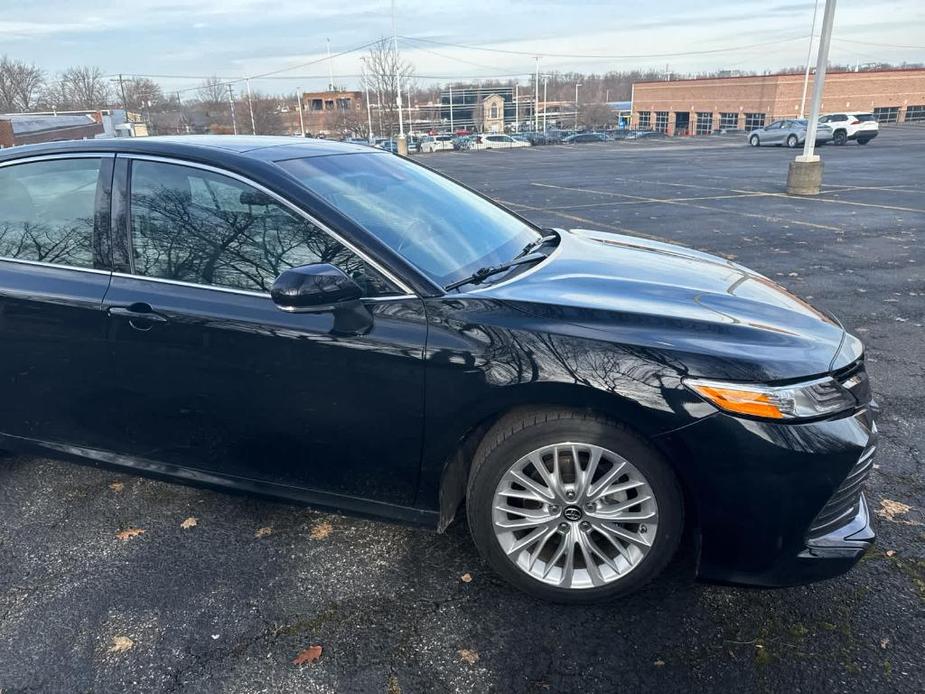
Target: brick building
x=701 y=106
x=331 y=113
x=29 y=128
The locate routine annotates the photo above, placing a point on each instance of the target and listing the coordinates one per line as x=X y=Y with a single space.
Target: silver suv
x=862 y=127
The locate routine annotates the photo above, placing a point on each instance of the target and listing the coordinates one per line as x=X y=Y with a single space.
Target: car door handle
x=140 y=316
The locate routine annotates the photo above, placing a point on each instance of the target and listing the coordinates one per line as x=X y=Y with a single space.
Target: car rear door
x=214 y=377
x=54 y=272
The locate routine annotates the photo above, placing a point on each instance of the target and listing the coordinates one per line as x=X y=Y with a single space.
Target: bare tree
x=266 y=115
x=141 y=93
x=596 y=116
x=20 y=85
x=212 y=92
x=83 y=88
x=385 y=70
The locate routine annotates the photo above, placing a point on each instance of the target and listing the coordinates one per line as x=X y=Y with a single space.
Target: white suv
x=862 y=127
x=436 y=143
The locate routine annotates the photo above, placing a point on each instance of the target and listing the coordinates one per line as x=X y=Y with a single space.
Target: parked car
x=389 y=145
x=862 y=127
x=436 y=143
x=327 y=324
x=789 y=132
x=496 y=141
x=646 y=135
x=584 y=137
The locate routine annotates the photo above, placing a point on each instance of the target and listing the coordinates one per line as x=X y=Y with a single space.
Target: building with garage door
x=704 y=105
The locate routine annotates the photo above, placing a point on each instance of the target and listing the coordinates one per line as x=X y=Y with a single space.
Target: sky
x=180 y=42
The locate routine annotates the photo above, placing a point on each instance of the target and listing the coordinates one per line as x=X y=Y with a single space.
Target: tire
x=754 y=141
x=573 y=527
x=792 y=141
x=840 y=137
x=863 y=140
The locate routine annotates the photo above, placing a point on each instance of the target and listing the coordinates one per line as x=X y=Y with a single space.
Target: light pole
x=301 y=114
x=369 y=108
x=250 y=106
x=577 y=84
x=805 y=174
x=809 y=55
x=545 y=82
x=536 y=96
x=402 y=146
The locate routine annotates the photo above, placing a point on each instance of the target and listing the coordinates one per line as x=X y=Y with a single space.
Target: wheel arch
x=457 y=461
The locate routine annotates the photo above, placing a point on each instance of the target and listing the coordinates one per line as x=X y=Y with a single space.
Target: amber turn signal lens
x=740 y=401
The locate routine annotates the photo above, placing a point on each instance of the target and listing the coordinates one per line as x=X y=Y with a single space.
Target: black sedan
x=580 y=138
x=331 y=324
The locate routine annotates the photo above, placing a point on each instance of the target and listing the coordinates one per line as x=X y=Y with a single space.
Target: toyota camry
x=338 y=326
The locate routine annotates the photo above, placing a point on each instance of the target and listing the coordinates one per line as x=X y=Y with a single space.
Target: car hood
x=715 y=317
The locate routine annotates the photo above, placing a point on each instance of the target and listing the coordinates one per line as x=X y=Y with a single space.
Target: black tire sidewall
x=487 y=473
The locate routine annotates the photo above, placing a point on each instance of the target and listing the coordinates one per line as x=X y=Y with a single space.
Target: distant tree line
x=219 y=107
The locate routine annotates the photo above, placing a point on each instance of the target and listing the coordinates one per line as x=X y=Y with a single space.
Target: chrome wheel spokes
x=575 y=515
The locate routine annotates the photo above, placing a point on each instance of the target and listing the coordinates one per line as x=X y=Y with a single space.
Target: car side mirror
x=313 y=287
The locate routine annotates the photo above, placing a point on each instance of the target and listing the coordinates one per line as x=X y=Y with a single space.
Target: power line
x=602 y=57
x=884 y=45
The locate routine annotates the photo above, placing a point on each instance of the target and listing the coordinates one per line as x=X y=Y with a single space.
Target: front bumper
x=777 y=504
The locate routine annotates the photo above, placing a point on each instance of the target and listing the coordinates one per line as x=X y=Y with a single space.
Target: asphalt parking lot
x=227 y=604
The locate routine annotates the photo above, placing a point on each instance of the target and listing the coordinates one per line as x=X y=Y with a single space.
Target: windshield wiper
x=484 y=273
x=527 y=255
x=536 y=245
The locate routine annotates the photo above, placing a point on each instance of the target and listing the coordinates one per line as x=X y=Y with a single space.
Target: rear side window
x=47 y=211
x=865 y=117
x=196 y=226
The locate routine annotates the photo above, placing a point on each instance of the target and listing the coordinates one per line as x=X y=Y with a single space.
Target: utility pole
x=250 y=106
x=536 y=96
x=124 y=102
x=809 y=55
x=301 y=113
x=805 y=174
x=452 y=127
x=577 y=84
x=234 y=120
x=369 y=108
x=330 y=68
x=402 y=141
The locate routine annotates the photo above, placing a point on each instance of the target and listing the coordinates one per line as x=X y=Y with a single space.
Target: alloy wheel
x=575 y=515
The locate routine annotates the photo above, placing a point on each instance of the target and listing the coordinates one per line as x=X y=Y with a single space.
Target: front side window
x=443 y=229
x=47 y=211
x=196 y=226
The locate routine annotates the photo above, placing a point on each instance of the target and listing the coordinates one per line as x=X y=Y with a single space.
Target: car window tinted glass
x=47 y=211
x=196 y=226
x=444 y=230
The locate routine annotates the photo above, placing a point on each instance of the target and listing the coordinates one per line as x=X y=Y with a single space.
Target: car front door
x=213 y=376
x=54 y=271
x=773 y=134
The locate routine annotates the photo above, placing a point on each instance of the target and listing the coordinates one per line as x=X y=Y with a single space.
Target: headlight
x=818 y=398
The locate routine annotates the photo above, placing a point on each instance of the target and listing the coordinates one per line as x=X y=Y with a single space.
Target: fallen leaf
x=891 y=553
x=659 y=663
x=117 y=486
x=320 y=530
x=466 y=578
x=190 y=522
x=889 y=509
x=263 y=532
x=129 y=533
x=468 y=656
x=309 y=655
x=884 y=643
x=120 y=644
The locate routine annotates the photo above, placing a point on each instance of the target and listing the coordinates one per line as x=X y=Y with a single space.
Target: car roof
x=262 y=147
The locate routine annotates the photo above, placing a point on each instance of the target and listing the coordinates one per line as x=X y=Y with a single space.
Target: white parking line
x=682 y=203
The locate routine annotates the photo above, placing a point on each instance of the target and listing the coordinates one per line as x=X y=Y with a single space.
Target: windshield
x=444 y=230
